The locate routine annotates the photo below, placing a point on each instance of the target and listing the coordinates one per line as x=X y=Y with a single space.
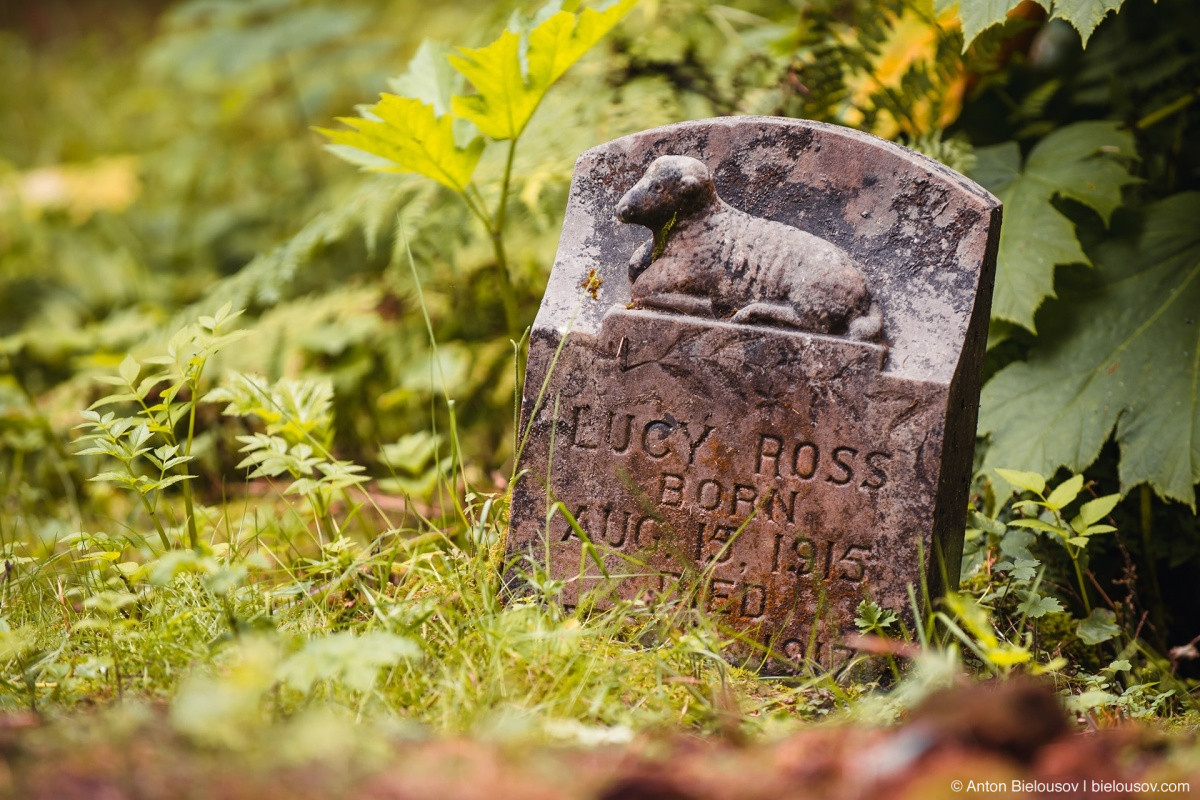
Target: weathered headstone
x=762 y=355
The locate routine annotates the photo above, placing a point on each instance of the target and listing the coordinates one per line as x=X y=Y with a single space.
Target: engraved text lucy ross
x=709 y=259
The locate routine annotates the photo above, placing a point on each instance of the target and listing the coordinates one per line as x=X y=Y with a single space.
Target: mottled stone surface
x=841 y=461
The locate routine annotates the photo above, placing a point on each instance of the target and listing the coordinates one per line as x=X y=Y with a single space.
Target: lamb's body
x=709 y=258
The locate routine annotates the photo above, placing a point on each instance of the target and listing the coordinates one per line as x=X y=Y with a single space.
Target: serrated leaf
x=1121 y=352
x=1065 y=492
x=979 y=15
x=1029 y=481
x=1084 y=15
x=509 y=91
x=174 y=479
x=1036 y=606
x=1076 y=161
x=1100 y=626
x=429 y=77
x=413 y=138
x=1023 y=569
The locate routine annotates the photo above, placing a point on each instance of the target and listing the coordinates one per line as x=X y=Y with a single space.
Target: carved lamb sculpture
x=707 y=258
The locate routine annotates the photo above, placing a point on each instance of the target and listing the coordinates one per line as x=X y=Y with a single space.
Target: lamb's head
x=672 y=186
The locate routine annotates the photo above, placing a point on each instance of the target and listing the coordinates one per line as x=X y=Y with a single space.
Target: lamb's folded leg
x=641 y=260
x=869 y=326
x=691 y=304
x=771 y=313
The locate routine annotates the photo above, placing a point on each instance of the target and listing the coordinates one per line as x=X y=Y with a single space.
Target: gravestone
x=758 y=357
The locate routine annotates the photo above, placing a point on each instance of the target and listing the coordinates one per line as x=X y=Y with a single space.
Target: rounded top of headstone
x=919 y=231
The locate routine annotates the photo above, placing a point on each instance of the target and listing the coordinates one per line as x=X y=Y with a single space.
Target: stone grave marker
x=759 y=353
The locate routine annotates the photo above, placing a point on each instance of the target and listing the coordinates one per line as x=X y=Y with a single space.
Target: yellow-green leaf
x=1093 y=511
x=1065 y=492
x=974 y=617
x=504 y=104
x=1029 y=481
x=407 y=133
x=1008 y=655
x=129 y=369
x=508 y=92
x=1037 y=525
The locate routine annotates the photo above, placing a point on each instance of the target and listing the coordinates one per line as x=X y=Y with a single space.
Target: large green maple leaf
x=978 y=15
x=1119 y=352
x=510 y=84
x=407 y=136
x=413 y=131
x=1084 y=162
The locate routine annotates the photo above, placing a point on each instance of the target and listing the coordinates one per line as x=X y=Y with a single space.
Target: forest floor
x=997 y=739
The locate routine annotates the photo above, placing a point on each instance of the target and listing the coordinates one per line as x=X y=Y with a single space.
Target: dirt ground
x=1009 y=740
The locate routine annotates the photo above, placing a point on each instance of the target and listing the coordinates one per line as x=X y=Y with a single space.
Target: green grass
x=313 y=596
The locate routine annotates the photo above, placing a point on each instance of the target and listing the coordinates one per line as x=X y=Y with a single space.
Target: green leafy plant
x=1045 y=514
x=166 y=398
x=1100 y=365
x=1082 y=162
x=420 y=132
x=299 y=429
x=979 y=15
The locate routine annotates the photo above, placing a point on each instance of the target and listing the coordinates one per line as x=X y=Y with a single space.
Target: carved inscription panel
x=683 y=445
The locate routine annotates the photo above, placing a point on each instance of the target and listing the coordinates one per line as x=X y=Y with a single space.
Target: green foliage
x=1101 y=368
x=405 y=132
x=271 y=613
x=513 y=74
x=1029 y=595
x=1081 y=162
x=346 y=658
x=979 y=15
x=1091 y=172
x=164 y=399
x=873 y=618
x=511 y=77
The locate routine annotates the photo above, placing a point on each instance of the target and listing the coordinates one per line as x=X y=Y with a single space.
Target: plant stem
x=1146 y=509
x=1083 y=592
x=508 y=296
x=162 y=533
x=188 y=505
x=1170 y=109
x=495 y=229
